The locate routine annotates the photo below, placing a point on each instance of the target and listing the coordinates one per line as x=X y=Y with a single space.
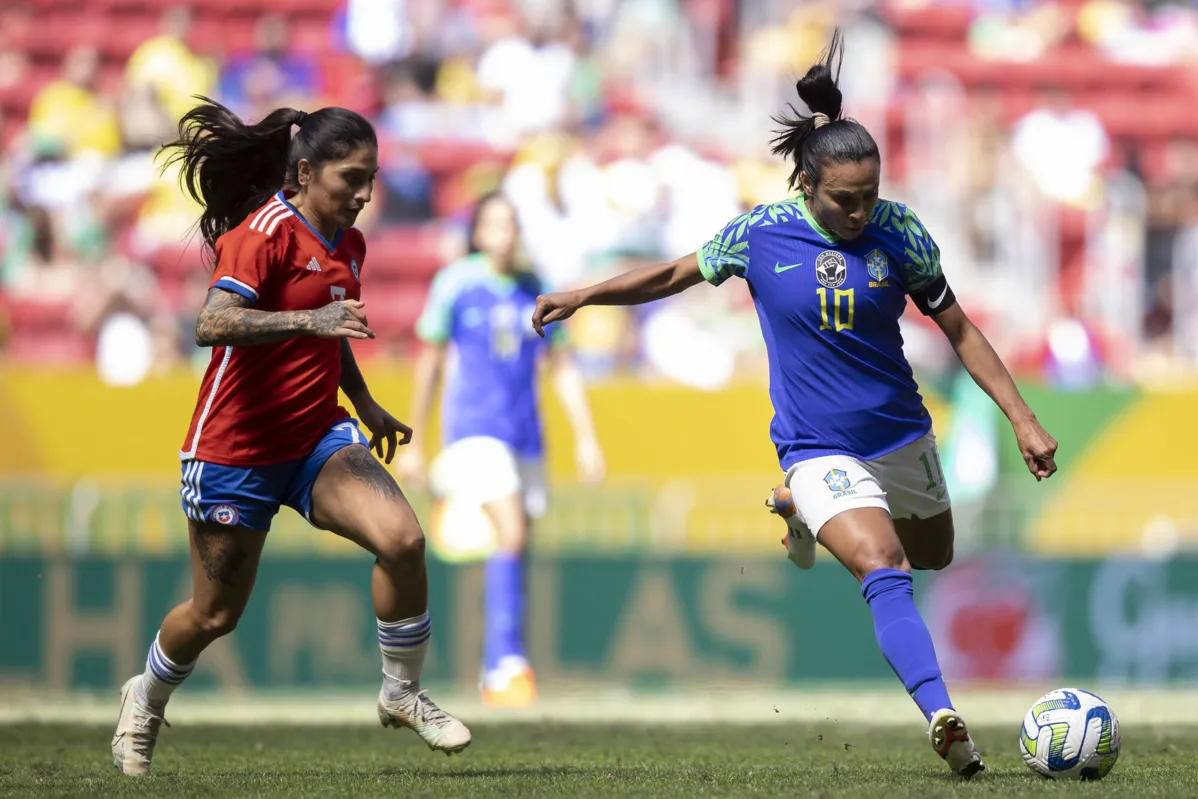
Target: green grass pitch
x=554 y=759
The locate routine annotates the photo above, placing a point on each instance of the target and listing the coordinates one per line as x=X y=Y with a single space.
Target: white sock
x=161 y=678
x=404 y=644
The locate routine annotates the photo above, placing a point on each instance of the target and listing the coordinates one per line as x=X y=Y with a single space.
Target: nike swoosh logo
x=779 y=268
x=934 y=304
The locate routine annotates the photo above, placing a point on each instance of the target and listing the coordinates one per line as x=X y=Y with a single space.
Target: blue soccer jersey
x=491 y=382
x=829 y=312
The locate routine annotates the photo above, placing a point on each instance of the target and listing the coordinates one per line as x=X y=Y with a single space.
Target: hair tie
x=299 y=120
x=820 y=119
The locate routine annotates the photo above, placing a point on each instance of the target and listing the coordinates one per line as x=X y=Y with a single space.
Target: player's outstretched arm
x=227 y=320
x=988 y=371
x=639 y=286
x=430 y=364
x=572 y=392
x=384 y=428
x=352 y=382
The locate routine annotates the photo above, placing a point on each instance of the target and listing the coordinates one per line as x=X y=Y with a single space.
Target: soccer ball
x=1070 y=734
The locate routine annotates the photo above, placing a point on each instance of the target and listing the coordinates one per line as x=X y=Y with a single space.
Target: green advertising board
x=86 y=623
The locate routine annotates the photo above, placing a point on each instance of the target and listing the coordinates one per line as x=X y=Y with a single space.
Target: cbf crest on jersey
x=879 y=268
x=831 y=269
x=353 y=267
x=837 y=480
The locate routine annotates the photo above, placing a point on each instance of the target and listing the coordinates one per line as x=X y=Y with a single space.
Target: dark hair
x=232 y=168
x=840 y=141
x=41 y=226
x=477 y=215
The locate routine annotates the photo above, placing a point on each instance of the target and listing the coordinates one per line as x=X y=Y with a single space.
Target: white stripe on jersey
x=199 y=493
x=235 y=281
x=195 y=442
x=186 y=490
x=275 y=222
x=271 y=207
x=353 y=431
x=266 y=221
x=191 y=492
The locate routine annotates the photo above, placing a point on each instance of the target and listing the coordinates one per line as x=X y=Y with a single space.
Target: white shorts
x=481 y=469
x=906 y=483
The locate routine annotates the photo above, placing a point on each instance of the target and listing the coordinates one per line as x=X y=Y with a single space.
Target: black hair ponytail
x=823 y=137
x=232 y=168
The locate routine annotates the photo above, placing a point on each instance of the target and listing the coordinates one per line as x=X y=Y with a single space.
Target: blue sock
x=503 y=612
x=904 y=638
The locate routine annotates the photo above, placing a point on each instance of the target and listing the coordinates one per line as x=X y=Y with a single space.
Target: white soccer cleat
x=414 y=710
x=136 y=733
x=799 y=542
x=950 y=738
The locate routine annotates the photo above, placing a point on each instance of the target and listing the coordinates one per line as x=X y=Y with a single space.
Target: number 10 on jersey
x=842 y=318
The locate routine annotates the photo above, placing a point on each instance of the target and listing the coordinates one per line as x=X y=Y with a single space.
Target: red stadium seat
x=16 y=99
x=33 y=316
x=304 y=8
x=55 y=34
x=15 y=28
x=214 y=34
x=126 y=34
x=949 y=23
x=205 y=35
x=176 y=262
x=311 y=36
x=442 y=156
x=410 y=253
x=393 y=308
x=913 y=61
x=55 y=349
x=389 y=347
x=348 y=82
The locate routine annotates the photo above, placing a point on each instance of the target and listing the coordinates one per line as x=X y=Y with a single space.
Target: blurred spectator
x=35 y=265
x=68 y=117
x=410 y=112
x=528 y=79
x=1172 y=214
x=117 y=300
x=623 y=132
x=273 y=76
x=378 y=31
x=1140 y=32
x=986 y=146
x=1015 y=30
x=1061 y=147
x=167 y=65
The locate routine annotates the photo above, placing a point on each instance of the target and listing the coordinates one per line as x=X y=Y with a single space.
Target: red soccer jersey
x=270 y=403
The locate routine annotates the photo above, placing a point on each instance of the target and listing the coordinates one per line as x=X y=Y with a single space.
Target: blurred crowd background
x=1048 y=146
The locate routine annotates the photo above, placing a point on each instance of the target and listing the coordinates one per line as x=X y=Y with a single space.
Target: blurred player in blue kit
x=475 y=332
x=830 y=271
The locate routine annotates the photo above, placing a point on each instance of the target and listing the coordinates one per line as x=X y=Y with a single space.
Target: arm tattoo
x=352 y=382
x=227 y=320
x=362 y=466
x=221 y=555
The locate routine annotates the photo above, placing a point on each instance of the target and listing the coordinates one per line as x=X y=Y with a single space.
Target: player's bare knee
x=512 y=538
x=878 y=556
x=400 y=544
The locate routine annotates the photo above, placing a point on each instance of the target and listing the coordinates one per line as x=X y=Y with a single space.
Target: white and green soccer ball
x=1070 y=734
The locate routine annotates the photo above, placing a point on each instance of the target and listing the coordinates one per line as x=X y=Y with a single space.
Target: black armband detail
x=935 y=297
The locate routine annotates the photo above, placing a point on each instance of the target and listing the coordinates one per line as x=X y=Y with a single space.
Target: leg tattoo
x=221 y=555
x=362 y=465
